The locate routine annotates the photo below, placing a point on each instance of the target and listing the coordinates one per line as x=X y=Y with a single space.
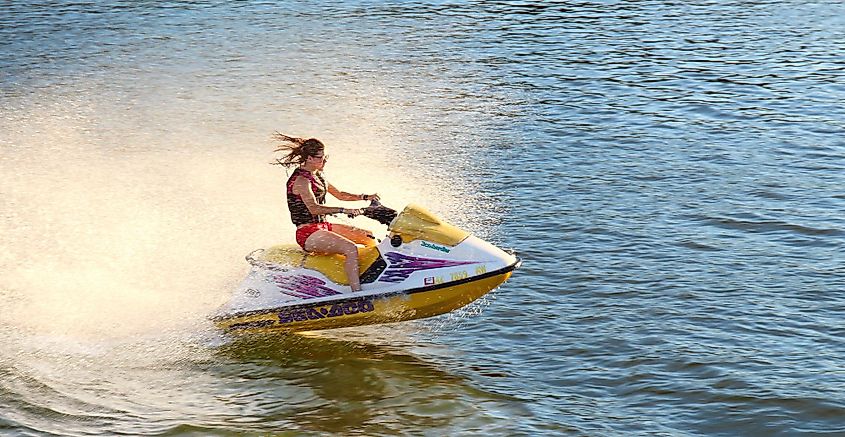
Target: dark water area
x=671 y=174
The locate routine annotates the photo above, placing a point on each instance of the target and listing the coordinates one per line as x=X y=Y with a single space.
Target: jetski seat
x=413 y=223
x=331 y=265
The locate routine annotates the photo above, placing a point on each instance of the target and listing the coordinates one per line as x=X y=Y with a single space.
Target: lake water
x=671 y=174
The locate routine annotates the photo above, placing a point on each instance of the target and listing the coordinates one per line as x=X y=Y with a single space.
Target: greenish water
x=670 y=174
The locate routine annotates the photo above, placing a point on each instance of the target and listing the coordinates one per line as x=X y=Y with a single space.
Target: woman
x=306 y=193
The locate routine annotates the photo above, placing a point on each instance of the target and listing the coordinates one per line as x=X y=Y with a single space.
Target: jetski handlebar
x=380 y=213
x=377 y=212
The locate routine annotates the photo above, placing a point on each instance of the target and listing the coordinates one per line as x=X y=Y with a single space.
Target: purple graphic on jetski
x=303 y=287
x=402 y=266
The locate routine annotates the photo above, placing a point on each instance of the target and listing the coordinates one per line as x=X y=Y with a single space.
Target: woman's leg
x=357 y=235
x=324 y=241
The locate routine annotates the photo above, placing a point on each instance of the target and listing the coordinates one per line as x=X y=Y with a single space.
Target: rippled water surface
x=671 y=173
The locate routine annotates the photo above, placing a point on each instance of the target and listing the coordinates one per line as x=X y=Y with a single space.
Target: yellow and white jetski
x=424 y=268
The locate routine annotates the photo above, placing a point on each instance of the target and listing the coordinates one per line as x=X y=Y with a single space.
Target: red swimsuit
x=306 y=223
x=305 y=231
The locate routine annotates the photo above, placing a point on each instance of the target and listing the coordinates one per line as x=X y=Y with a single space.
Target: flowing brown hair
x=296 y=150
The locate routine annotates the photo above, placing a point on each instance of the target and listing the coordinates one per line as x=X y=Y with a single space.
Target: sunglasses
x=323 y=158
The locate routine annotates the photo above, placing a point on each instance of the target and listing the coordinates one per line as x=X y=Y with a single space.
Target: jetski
x=423 y=268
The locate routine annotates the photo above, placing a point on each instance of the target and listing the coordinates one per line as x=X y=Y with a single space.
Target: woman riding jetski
x=422 y=268
x=306 y=197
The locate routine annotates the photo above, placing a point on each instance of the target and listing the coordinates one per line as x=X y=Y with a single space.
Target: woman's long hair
x=296 y=150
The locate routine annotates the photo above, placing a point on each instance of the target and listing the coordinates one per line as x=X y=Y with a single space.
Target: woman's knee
x=350 y=250
x=344 y=246
x=328 y=242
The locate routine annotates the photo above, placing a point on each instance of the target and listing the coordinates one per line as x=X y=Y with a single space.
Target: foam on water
x=110 y=239
x=118 y=245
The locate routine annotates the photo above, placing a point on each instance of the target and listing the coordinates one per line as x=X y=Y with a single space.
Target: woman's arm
x=342 y=195
x=302 y=188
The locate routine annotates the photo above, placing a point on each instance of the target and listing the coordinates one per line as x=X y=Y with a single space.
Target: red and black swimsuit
x=299 y=213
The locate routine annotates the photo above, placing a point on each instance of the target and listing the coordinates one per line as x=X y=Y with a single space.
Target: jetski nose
x=512 y=253
x=476 y=248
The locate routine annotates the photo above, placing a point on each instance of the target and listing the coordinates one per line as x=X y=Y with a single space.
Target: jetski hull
x=425 y=267
x=367 y=310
